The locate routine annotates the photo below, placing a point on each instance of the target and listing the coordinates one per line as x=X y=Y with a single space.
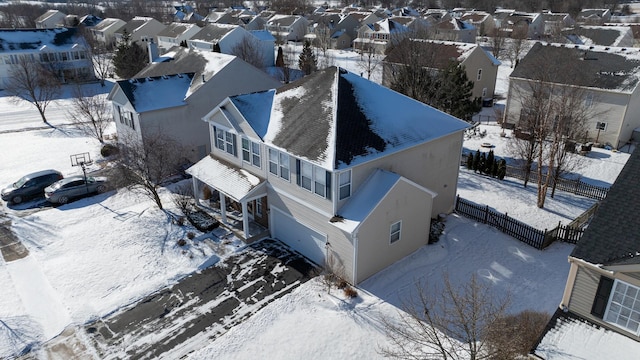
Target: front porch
x=234 y=222
x=235 y=197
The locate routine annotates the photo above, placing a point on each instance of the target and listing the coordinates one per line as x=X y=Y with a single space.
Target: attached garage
x=299 y=237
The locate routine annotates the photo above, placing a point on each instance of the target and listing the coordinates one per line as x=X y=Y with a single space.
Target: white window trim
x=610 y=301
x=250 y=152
x=341 y=185
x=279 y=164
x=225 y=143
x=391 y=232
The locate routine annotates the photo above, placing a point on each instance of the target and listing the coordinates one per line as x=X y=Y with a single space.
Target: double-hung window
x=345 y=184
x=251 y=152
x=226 y=141
x=279 y=164
x=313 y=178
x=394 y=232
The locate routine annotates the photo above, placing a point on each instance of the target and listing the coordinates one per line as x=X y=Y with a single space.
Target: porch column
x=223 y=206
x=245 y=219
x=196 y=195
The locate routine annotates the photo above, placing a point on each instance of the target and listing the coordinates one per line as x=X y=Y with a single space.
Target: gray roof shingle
x=613 y=236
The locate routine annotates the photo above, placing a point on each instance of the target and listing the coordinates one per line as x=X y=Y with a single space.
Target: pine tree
x=307 y=61
x=454 y=93
x=470 y=161
x=494 y=168
x=482 y=166
x=489 y=163
x=280 y=58
x=476 y=161
x=502 y=169
x=129 y=58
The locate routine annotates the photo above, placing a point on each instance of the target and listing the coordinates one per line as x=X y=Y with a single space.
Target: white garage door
x=306 y=241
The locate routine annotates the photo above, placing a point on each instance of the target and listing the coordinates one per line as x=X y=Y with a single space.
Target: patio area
x=234 y=222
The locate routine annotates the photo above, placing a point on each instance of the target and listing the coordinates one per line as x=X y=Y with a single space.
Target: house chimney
x=153 y=50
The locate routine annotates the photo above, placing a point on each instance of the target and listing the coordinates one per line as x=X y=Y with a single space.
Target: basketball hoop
x=82 y=160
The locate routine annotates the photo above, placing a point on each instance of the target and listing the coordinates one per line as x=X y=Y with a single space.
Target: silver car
x=73 y=187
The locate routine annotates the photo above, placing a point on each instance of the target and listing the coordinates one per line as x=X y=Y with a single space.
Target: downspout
x=355 y=257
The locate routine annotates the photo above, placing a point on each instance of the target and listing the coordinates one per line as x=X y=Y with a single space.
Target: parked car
x=73 y=187
x=30 y=186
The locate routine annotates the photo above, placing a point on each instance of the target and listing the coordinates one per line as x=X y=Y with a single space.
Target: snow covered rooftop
x=26 y=40
x=234 y=182
x=159 y=92
x=336 y=119
x=572 y=338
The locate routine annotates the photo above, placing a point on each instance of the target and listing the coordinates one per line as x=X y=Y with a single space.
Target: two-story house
x=452 y=29
x=599 y=316
x=608 y=77
x=343 y=170
x=287 y=27
x=481 y=20
x=174 y=34
x=172 y=96
x=104 y=32
x=50 y=19
x=60 y=49
x=380 y=35
x=480 y=66
x=141 y=30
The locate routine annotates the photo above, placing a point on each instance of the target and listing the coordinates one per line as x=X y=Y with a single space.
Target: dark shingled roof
x=613 y=236
x=184 y=61
x=599 y=35
x=586 y=66
x=174 y=30
x=431 y=54
x=213 y=32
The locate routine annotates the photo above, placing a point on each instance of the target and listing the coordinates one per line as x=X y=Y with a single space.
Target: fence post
x=486 y=214
x=504 y=220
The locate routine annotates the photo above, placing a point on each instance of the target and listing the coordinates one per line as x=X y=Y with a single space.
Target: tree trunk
x=44 y=118
x=156 y=198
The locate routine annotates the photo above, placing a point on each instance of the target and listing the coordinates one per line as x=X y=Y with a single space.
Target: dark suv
x=30 y=186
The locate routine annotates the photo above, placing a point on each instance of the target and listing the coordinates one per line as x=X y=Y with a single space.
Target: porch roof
x=237 y=183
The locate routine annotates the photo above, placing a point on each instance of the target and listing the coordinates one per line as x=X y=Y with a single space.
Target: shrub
x=191 y=235
x=341 y=284
x=108 y=150
x=437 y=227
x=516 y=334
x=350 y=292
x=182 y=242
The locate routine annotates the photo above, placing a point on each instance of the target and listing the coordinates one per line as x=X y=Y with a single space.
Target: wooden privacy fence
x=572 y=186
x=529 y=235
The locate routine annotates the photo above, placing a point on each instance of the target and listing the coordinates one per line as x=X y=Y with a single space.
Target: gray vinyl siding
x=584 y=291
x=340 y=243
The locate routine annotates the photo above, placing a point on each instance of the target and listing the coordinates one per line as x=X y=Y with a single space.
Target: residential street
x=175 y=321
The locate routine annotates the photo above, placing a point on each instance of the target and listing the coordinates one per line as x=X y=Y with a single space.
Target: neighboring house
x=619 y=36
x=60 y=49
x=174 y=34
x=555 y=23
x=351 y=22
x=252 y=22
x=50 y=19
x=142 y=30
x=380 y=35
x=220 y=17
x=172 y=96
x=480 y=66
x=609 y=76
x=187 y=14
x=453 y=29
x=287 y=27
x=593 y=16
x=599 y=316
x=343 y=170
x=482 y=21
x=104 y=32
x=229 y=38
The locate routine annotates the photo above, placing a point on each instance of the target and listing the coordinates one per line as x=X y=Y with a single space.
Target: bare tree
x=369 y=60
x=90 y=112
x=146 y=165
x=517 y=44
x=497 y=41
x=249 y=50
x=30 y=81
x=451 y=322
x=100 y=54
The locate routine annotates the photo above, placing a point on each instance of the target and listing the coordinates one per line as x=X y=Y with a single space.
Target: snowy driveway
x=179 y=319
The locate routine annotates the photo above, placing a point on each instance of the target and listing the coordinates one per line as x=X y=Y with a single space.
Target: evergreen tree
x=307 y=61
x=470 y=161
x=129 y=58
x=488 y=166
x=476 y=161
x=280 y=57
x=502 y=169
x=482 y=166
x=494 y=168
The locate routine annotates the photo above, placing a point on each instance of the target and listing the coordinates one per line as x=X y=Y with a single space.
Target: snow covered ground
x=94 y=256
